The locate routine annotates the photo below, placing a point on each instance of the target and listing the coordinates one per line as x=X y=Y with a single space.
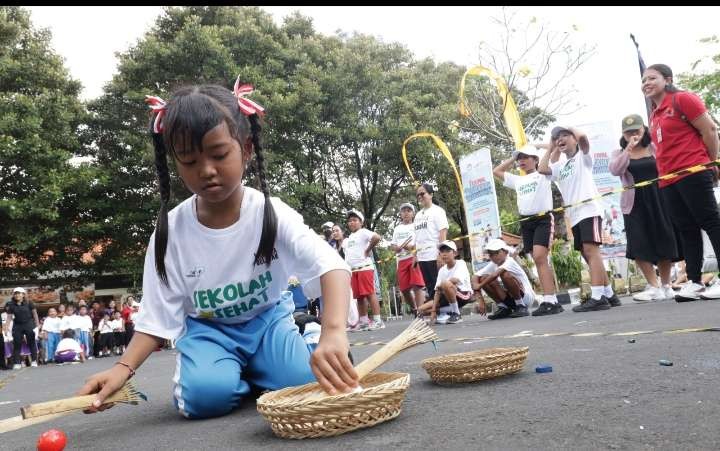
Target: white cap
x=448 y=243
x=527 y=149
x=134 y=303
x=497 y=244
x=328 y=225
x=353 y=212
x=19 y=290
x=408 y=205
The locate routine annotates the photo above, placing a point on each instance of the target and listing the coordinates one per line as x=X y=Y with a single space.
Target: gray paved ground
x=604 y=392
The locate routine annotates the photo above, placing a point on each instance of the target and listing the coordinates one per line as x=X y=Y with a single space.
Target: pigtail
x=161 y=226
x=266 y=248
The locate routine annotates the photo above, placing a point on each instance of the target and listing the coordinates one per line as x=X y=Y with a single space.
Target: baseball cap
x=632 y=122
x=559 y=129
x=448 y=243
x=19 y=290
x=408 y=205
x=354 y=212
x=527 y=149
x=328 y=225
x=497 y=244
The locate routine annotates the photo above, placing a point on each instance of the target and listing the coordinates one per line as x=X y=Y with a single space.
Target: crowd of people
x=69 y=333
x=663 y=220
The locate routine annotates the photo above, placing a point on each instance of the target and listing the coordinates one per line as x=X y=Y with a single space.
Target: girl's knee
x=213 y=395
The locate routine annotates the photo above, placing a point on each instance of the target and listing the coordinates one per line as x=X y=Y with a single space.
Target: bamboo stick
x=18 y=422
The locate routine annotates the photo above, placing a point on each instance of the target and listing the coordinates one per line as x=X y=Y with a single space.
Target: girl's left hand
x=331 y=365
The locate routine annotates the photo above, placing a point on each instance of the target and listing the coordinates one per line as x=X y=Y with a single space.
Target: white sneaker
x=442 y=318
x=713 y=291
x=17 y=366
x=34 y=363
x=690 y=291
x=375 y=325
x=650 y=293
x=90 y=357
x=669 y=292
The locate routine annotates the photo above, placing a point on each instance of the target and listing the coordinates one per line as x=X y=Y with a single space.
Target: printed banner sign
x=481 y=209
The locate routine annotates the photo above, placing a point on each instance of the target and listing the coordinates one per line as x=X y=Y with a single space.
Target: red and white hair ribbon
x=247 y=106
x=158 y=106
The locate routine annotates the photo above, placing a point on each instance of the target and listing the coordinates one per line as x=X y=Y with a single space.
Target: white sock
x=364 y=319
x=454 y=308
x=550 y=298
x=377 y=319
x=597 y=292
x=609 y=291
x=445 y=309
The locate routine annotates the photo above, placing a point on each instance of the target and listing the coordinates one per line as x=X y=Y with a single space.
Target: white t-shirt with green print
x=574 y=178
x=534 y=193
x=212 y=273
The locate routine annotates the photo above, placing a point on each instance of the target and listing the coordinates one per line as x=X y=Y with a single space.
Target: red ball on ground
x=52 y=440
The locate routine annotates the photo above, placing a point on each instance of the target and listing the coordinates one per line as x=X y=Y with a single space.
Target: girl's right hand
x=104 y=384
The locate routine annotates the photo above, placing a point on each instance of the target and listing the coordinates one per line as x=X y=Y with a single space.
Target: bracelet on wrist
x=132 y=371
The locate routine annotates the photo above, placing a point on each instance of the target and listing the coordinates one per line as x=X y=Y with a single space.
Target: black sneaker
x=519 y=311
x=303 y=318
x=502 y=312
x=547 y=308
x=592 y=305
x=614 y=301
x=454 y=318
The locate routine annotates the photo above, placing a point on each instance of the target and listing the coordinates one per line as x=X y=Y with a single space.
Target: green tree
x=707 y=84
x=44 y=200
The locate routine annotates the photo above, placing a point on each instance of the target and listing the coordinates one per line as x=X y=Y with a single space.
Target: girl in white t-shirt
x=409 y=277
x=217 y=267
x=51 y=328
x=574 y=178
x=534 y=197
x=431 y=226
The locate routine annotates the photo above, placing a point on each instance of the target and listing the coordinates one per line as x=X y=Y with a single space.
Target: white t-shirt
x=534 y=193
x=458 y=271
x=84 y=323
x=69 y=322
x=511 y=266
x=117 y=324
x=68 y=343
x=211 y=272
x=574 y=178
x=355 y=246
x=401 y=233
x=105 y=327
x=428 y=224
x=52 y=324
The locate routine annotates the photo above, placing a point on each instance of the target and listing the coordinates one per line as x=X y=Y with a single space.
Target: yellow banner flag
x=443 y=149
x=510 y=112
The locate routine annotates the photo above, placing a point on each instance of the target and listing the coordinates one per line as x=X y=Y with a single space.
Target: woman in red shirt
x=685 y=135
x=127 y=310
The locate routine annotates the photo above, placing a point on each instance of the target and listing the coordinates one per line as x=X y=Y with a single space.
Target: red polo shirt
x=678 y=144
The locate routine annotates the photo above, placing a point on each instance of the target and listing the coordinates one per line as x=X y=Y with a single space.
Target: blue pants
x=216 y=363
x=84 y=340
x=53 y=338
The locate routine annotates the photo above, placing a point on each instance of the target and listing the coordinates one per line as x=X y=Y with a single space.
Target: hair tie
x=158 y=106
x=247 y=106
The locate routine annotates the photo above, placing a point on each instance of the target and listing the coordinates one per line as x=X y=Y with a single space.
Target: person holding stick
x=217 y=266
x=409 y=277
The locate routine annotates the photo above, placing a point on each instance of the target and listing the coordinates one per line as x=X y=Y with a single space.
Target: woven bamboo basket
x=308 y=412
x=475 y=365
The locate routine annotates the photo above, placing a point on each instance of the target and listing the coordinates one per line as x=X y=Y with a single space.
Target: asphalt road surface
x=603 y=393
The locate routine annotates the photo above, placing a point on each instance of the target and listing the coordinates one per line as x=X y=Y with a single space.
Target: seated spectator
x=69 y=350
x=505 y=282
x=452 y=288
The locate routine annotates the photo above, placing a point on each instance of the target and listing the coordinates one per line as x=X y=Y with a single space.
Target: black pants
x=18 y=331
x=129 y=331
x=692 y=207
x=429 y=271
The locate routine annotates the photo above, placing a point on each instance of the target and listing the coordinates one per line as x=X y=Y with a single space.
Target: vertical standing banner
x=481 y=209
x=603 y=141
